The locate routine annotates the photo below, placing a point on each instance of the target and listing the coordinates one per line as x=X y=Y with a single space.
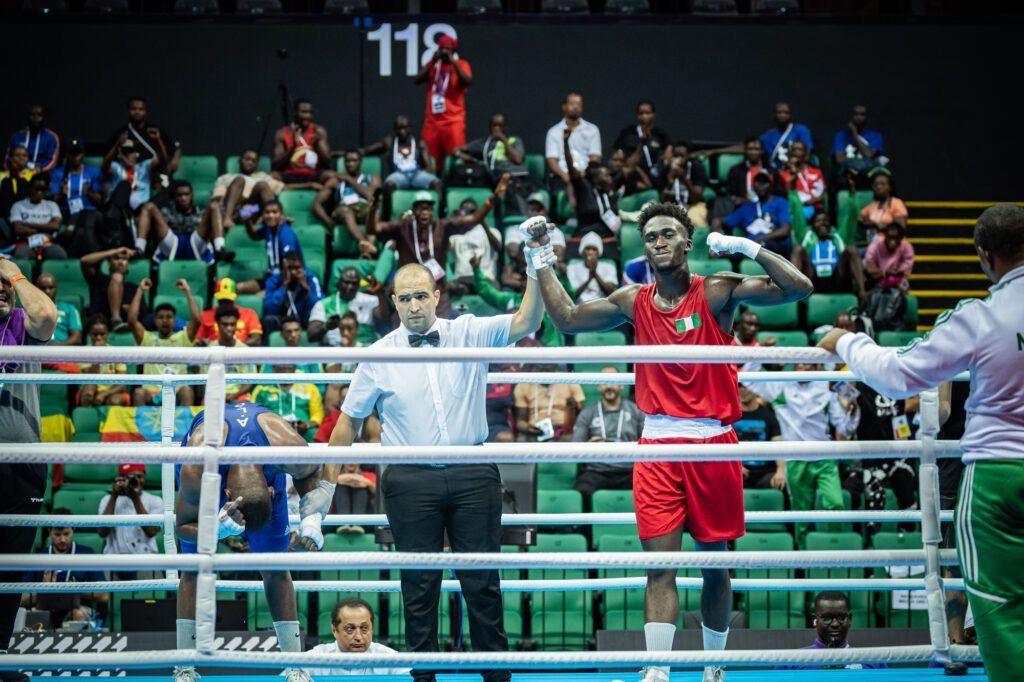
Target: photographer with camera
x=128 y=496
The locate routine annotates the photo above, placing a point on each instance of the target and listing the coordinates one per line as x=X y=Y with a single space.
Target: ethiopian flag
x=688 y=323
x=141 y=424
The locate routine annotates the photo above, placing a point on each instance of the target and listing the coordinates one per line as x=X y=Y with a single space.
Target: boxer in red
x=683 y=403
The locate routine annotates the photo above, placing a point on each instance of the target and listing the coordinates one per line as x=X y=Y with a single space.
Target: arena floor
x=889 y=675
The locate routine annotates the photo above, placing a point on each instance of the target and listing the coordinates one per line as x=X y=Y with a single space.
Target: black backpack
x=887 y=307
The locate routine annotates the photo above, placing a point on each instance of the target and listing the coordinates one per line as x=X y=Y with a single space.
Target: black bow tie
x=432 y=338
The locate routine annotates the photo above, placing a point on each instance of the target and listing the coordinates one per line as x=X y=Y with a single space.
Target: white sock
x=714 y=641
x=288 y=636
x=186 y=629
x=218 y=243
x=658 y=637
x=140 y=244
x=169 y=244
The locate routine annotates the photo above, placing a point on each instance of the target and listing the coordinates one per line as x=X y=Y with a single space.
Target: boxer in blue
x=254 y=502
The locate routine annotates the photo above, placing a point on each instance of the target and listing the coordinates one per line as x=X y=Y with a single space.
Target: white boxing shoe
x=296 y=675
x=186 y=673
x=654 y=675
x=714 y=674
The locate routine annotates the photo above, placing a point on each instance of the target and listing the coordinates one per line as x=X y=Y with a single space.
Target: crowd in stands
x=148 y=246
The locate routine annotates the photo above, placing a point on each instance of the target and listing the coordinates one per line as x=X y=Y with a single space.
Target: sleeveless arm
x=596 y=315
x=784 y=283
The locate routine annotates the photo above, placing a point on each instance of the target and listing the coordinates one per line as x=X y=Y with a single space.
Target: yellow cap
x=225 y=290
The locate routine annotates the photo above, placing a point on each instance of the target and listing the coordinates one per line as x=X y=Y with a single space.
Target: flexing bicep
x=756 y=290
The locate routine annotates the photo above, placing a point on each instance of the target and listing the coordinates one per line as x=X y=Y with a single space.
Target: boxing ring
x=207 y=563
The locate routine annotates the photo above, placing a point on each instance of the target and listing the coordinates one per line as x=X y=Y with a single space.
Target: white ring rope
x=304 y=354
x=475 y=660
x=554 y=585
x=334 y=561
x=489 y=453
x=591 y=519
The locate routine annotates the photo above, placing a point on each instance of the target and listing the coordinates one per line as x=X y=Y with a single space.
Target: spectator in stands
x=109 y=294
x=627 y=175
x=280 y=239
x=480 y=240
x=97 y=329
x=832 y=265
x=683 y=183
x=406 y=162
x=546 y=411
x=164 y=318
x=352 y=627
x=591 y=277
x=584 y=140
x=612 y=419
x=444 y=119
x=300 y=403
x=35 y=221
x=42 y=144
x=124 y=166
x=757 y=424
x=881 y=419
x=890 y=261
x=649 y=143
x=68 y=331
x=597 y=204
x=75 y=606
x=301 y=150
x=13 y=188
x=778 y=140
x=739 y=181
x=182 y=230
x=292 y=291
x=349 y=195
x=765 y=220
x=832 y=619
x=856 y=149
x=805 y=411
x=424 y=239
x=240 y=196
x=885 y=208
x=291 y=334
x=145 y=137
x=746 y=328
x=248 y=328
x=78 y=188
x=503 y=299
x=128 y=495
x=352 y=496
x=801 y=177
x=226 y=316
x=536 y=205
x=499 y=154
x=371 y=311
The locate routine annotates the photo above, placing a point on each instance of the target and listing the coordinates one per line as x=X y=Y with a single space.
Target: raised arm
x=193 y=309
x=527 y=318
x=138 y=331
x=592 y=316
x=783 y=284
x=40 y=311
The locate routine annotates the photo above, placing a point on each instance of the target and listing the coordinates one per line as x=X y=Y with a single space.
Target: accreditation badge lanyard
x=35 y=151
x=618 y=431
x=551 y=402
x=647 y=152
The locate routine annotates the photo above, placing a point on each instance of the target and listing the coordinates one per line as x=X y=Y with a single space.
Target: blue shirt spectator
x=293 y=290
x=845 y=141
x=81 y=182
x=137 y=176
x=43 y=144
x=856 y=148
x=765 y=220
x=832 y=619
x=278 y=234
x=776 y=140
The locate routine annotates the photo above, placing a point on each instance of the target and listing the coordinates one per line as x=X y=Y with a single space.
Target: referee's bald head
x=416 y=297
x=999 y=237
x=414 y=273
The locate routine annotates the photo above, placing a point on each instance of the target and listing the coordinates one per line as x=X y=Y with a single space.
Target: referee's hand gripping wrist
x=537 y=247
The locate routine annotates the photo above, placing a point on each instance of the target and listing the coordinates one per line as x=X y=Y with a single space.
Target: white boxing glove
x=537 y=257
x=309 y=528
x=721 y=243
x=318 y=500
x=226 y=526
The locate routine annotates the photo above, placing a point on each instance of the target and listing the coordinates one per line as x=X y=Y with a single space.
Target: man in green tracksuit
x=985 y=338
x=510 y=300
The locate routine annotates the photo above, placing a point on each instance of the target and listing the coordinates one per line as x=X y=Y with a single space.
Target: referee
x=21 y=485
x=433 y=403
x=986 y=338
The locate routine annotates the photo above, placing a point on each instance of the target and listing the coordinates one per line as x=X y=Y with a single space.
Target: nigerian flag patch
x=688 y=323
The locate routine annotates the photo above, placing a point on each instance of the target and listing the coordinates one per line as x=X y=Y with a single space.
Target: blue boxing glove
x=538 y=257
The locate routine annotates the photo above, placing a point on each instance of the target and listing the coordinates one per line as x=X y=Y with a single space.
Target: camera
x=134 y=484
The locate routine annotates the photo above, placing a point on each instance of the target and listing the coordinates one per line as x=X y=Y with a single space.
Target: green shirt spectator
x=510 y=300
x=164 y=318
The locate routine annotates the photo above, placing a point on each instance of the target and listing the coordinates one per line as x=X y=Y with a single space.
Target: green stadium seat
x=68 y=272
x=316 y=263
x=536 y=165
x=823 y=308
x=312 y=239
x=27 y=266
x=612 y=338
x=178 y=300
x=723 y=162
x=342 y=243
x=456 y=195
x=621 y=603
x=784 y=316
x=611 y=501
x=253 y=266
x=710 y=267
x=764 y=499
x=154 y=476
x=53 y=398
x=770 y=609
x=259 y=610
x=860 y=600
x=560 y=619
x=91 y=540
x=201 y=171
x=277 y=341
x=363 y=265
x=401 y=201
x=784 y=338
x=237 y=238
x=864 y=197
x=559 y=502
x=196 y=272
x=85 y=419
x=751 y=268
x=911 y=316
x=556 y=475
x=474 y=305
x=897 y=339
x=889 y=611
x=138 y=269
x=76 y=300
x=231 y=164
x=88 y=476
x=700 y=242
x=634 y=202
x=631 y=244
x=254 y=301
x=563 y=211
x=81 y=501
x=297 y=204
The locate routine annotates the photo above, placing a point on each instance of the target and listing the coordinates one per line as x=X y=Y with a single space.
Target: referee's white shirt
x=430 y=403
x=333 y=648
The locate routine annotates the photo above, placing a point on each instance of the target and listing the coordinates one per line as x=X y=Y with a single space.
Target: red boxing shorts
x=705 y=498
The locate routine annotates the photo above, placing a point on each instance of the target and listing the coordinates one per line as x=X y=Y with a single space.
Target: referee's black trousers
x=21 y=492
x=422 y=503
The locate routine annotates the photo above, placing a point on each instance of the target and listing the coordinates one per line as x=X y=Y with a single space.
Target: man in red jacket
x=444 y=123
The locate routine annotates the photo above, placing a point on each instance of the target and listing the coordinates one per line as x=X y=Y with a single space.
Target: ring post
x=931 y=532
x=167 y=482
x=209 y=507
